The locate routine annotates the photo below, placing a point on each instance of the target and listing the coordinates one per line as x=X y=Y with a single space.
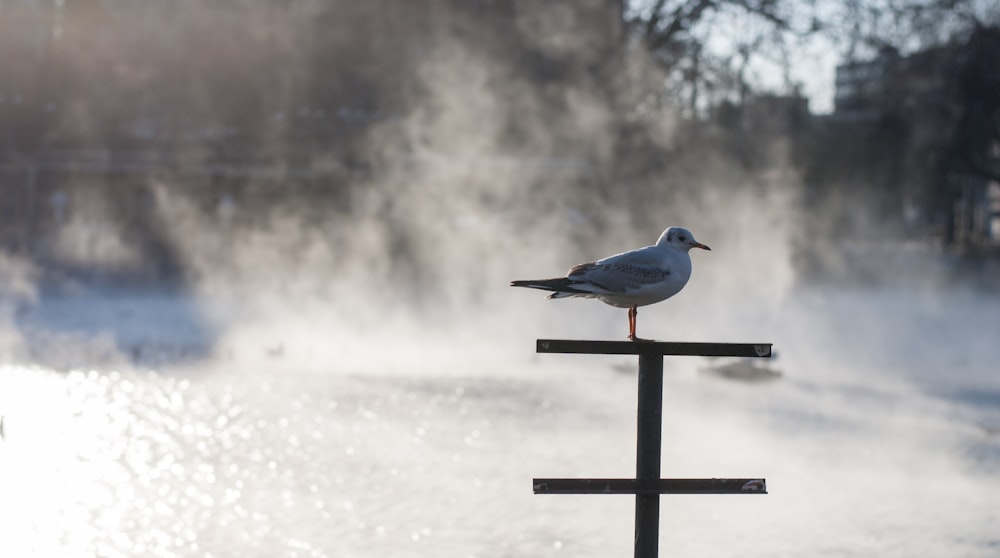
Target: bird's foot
x=640 y=339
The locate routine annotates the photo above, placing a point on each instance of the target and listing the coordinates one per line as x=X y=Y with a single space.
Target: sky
x=811 y=60
x=814 y=67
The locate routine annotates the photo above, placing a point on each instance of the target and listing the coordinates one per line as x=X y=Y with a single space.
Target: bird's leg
x=632 y=313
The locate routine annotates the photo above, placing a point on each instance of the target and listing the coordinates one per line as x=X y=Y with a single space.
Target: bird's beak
x=700 y=245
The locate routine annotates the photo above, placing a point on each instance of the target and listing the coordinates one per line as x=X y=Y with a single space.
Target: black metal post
x=647 y=484
x=649 y=427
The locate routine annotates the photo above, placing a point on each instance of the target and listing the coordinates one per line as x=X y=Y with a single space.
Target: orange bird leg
x=632 y=313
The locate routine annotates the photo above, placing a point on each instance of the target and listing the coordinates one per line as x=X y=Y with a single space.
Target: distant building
x=860 y=87
x=918 y=100
x=867 y=89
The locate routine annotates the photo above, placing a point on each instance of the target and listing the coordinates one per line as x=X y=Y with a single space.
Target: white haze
x=323 y=390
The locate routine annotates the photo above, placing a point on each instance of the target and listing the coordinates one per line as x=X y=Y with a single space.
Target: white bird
x=630 y=279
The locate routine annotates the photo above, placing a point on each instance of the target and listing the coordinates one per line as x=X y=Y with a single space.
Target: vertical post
x=649 y=428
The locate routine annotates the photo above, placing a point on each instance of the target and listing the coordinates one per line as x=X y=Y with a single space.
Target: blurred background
x=254 y=258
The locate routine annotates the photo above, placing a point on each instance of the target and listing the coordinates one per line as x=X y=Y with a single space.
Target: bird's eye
x=682 y=238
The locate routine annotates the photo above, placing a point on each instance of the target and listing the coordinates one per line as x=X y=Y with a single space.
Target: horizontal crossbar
x=661 y=486
x=663 y=348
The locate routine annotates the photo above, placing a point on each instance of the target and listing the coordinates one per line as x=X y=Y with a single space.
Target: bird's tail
x=560 y=286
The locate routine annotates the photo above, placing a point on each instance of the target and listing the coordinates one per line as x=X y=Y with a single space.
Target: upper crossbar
x=662 y=348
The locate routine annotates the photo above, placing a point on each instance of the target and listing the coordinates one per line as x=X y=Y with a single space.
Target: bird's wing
x=650 y=255
x=622 y=273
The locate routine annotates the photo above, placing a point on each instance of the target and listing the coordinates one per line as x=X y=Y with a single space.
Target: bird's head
x=679 y=238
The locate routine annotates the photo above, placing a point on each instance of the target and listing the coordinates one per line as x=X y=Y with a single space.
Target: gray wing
x=621 y=273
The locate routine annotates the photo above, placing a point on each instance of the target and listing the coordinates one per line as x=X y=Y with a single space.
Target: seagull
x=630 y=279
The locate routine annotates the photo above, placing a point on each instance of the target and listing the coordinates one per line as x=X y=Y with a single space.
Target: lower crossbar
x=661 y=486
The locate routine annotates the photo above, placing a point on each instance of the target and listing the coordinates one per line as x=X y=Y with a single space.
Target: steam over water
x=299 y=434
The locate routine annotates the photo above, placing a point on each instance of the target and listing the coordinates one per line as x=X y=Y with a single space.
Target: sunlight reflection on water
x=125 y=464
